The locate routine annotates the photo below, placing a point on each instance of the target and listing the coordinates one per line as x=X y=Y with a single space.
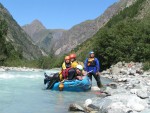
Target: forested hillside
x=126 y=37
x=7 y=51
x=18 y=38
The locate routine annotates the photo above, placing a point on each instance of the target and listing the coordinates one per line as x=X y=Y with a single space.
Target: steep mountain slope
x=81 y=32
x=33 y=28
x=44 y=38
x=61 y=41
x=18 y=37
x=126 y=37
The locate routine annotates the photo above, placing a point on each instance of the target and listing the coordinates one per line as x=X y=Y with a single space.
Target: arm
x=85 y=64
x=97 y=65
x=63 y=66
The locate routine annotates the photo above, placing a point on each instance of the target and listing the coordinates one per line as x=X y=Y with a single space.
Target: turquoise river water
x=23 y=92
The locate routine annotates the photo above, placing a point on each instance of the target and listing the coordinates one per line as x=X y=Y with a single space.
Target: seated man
x=75 y=73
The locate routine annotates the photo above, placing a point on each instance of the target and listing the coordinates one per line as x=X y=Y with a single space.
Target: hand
x=97 y=73
x=84 y=73
x=79 y=77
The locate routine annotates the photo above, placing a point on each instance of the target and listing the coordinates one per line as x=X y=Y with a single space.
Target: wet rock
x=119 y=64
x=147 y=73
x=139 y=71
x=136 y=104
x=142 y=94
x=112 y=85
x=87 y=102
x=102 y=95
x=129 y=101
x=109 y=91
x=148 y=101
x=132 y=94
x=122 y=80
x=92 y=108
x=137 y=107
x=132 y=72
x=148 y=83
x=134 y=81
x=102 y=103
x=124 y=72
x=115 y=70
x=148 y=89
x=106 y=72
x=95 y=88
x=136 y=74
x=129 y=86
x=75 y=107
x=117 y=107
x=146 y=111
x=134 y=91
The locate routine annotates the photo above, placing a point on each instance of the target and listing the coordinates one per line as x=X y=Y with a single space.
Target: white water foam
x=11 y=76
x=23 y=74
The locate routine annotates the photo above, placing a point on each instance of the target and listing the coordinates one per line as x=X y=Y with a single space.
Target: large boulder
x=142 y=94
x=76 y=107
x=121 y=102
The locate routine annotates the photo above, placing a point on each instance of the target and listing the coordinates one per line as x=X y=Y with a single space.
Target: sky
x=56 y=14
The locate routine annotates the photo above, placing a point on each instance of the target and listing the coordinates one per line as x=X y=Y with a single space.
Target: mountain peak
x=37 y=23
x=34 y=27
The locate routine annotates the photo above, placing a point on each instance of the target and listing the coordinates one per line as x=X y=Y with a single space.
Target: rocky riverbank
x=131 y=93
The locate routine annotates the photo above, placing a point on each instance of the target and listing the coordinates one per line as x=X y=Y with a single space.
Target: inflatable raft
x=72 y=85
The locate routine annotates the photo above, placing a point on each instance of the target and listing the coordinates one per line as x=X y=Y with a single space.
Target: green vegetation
x=146 y=66
x=129 y=12
x=128 y=40
x=123 y=38
x=43 y=63
x=50 y=62
x=9 y=56
x=7 y=51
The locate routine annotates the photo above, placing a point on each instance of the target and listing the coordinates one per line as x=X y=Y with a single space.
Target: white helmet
x=79 y=67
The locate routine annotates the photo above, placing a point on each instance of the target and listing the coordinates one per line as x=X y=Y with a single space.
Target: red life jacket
x=65 y=72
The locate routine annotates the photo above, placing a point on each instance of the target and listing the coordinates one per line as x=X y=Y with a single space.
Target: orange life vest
x=91 y=62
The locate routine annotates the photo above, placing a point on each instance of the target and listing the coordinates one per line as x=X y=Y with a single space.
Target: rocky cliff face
x=18 y=37
x=81 y=32
x=34 y=27
x=61 y=41
x=44 y=38
x=145 y=12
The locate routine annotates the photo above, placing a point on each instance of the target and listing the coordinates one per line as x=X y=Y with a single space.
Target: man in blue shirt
x=92 y=65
